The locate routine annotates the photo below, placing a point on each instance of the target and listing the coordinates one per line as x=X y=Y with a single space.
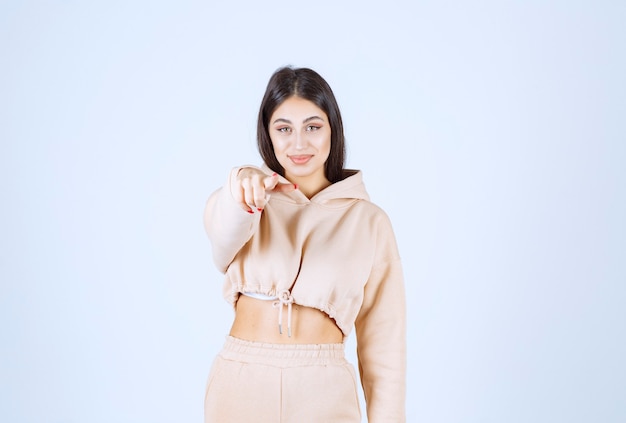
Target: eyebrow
x=304 y=121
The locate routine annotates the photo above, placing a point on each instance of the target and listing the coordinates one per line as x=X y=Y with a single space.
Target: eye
x=284 y=129
x=311 y=128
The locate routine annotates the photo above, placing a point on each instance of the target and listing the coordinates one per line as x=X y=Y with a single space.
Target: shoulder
x=377 y=215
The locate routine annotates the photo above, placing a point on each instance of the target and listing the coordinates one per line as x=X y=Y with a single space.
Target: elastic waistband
x=282 y=355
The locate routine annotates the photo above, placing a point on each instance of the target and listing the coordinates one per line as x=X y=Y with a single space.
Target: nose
x=300 y=141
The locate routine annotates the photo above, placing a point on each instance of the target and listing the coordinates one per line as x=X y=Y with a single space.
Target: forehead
x=297 y=108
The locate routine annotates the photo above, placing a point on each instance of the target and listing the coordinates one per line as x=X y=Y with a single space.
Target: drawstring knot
x=284 y=299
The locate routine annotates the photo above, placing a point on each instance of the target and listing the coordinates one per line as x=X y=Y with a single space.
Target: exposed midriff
x=257 y=320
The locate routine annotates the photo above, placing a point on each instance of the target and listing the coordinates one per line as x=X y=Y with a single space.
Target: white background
x=492 y=133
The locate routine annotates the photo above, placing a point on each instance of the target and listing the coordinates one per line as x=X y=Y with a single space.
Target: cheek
x=324 y=143
x=277 y=145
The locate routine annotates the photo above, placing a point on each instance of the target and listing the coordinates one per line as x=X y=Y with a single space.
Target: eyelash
x=309 y=128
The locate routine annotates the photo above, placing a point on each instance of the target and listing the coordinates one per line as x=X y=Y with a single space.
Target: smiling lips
x=301 y=159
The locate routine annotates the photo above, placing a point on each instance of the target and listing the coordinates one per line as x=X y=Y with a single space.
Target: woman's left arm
x=381 y=334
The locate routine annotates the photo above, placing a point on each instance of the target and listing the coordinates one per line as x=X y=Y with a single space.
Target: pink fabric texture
x=281 y=383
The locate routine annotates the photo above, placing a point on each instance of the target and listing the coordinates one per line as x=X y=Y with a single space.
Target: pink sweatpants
x=252 y=382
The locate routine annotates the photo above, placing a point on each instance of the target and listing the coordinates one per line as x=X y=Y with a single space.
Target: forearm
x=381 y=345
x=228 y=226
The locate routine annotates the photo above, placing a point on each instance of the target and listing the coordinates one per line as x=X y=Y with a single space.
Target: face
x=300 y=134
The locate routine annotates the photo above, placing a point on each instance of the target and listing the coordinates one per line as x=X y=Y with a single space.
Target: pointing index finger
x=272 y=185
x=271 y=181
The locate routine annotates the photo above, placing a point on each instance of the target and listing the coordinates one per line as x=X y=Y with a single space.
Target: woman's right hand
x=251 y=188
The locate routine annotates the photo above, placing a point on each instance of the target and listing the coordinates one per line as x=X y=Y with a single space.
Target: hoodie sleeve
x=228 y=226
x=381 y=335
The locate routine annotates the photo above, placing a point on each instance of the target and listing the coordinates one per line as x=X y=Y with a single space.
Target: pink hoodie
x=335 y=252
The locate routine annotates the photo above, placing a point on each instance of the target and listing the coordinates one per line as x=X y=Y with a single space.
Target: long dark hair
x=309 y=85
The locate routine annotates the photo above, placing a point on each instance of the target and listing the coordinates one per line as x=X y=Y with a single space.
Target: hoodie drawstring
x=284 y=299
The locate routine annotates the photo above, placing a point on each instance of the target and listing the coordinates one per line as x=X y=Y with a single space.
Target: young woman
x=307 y=258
